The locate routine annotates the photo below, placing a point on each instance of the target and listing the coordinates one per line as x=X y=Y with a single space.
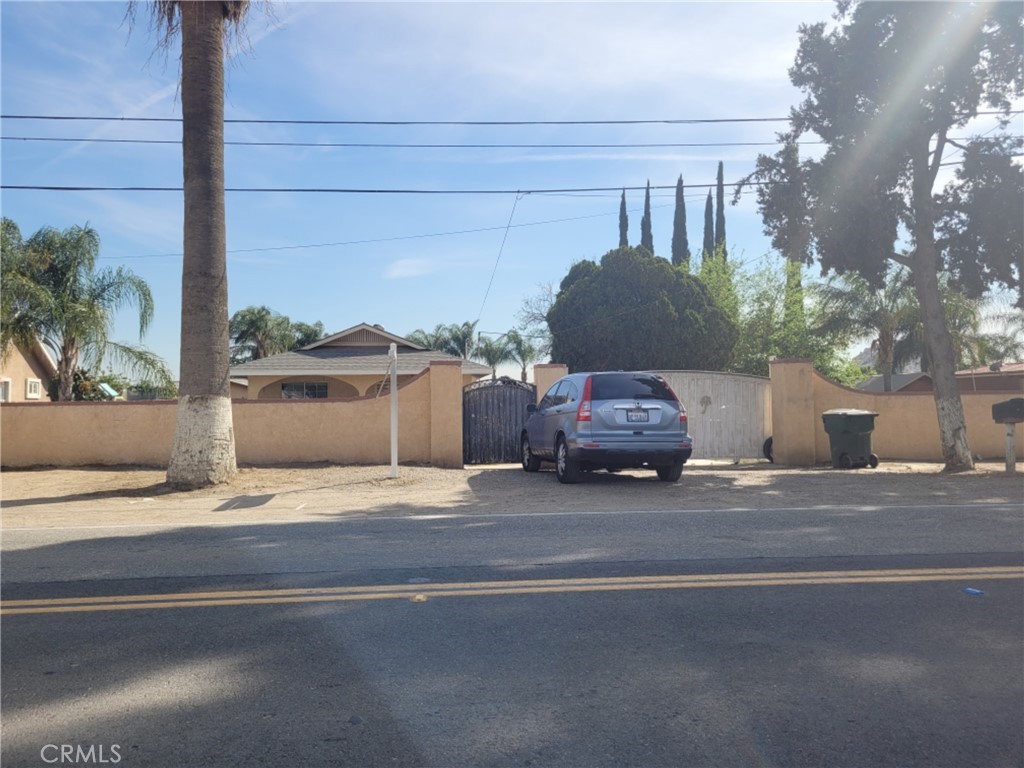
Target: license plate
x=637 y=415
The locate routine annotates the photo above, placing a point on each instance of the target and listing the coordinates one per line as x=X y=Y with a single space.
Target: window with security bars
x=303 y=391
x=33 y=389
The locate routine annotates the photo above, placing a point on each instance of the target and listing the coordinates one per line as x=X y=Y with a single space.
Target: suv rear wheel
x=566 y=470
x=671 y=473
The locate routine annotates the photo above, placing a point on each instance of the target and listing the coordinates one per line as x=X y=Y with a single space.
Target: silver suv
x=610 y=421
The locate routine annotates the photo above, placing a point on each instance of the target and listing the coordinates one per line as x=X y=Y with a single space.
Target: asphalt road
x=848 y=636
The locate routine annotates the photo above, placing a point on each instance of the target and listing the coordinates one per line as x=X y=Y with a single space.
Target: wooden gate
x=730 y=414
x=493 y=414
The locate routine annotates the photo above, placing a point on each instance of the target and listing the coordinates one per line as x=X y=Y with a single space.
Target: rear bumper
x=627 y=455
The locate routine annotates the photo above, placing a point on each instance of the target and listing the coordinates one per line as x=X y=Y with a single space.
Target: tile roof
x=899 y=381
x=340 y=361
x=995 y=368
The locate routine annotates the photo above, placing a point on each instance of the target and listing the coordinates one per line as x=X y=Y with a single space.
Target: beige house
x=25 y=375
x=352 y=363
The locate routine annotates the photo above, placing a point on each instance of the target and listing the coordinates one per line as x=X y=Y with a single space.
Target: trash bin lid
x=848 y=412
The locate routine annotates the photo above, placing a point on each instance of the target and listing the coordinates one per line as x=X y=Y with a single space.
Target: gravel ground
x=123 y=495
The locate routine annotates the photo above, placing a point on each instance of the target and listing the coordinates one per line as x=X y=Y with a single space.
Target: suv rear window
x=630 y=386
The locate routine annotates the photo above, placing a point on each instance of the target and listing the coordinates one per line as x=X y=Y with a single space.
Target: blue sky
x=392 y=61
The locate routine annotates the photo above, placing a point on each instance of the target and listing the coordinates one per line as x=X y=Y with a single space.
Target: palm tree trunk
x=949 y=408
x=66 y=373
x=204 y=443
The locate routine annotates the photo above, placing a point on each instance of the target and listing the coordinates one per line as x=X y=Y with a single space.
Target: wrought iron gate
x=493 y=413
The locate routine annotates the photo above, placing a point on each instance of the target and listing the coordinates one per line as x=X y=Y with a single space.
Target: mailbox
x=1009 y=411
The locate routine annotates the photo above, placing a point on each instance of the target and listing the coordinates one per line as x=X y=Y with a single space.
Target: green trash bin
x=849 y=433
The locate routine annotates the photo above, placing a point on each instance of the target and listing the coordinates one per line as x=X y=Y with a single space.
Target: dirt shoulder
x=130 y=496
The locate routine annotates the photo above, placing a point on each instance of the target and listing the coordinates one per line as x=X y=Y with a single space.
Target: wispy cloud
x=414 y=267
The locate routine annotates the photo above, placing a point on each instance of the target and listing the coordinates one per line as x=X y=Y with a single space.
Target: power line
x=498 y=260
x=369 y=191
x=371 y=241
x=264 y=121
x=376 y=145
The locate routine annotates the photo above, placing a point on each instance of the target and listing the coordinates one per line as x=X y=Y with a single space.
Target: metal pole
x=393 y=354
x=1011 y=447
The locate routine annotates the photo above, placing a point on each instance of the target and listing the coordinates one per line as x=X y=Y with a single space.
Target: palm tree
x=304 y=334
x=19 y=289
x=972 y=346
x=436 y=339
x=523 y=352
x=54 y=294
x=259 y=332
x=850 y=306
x=204 y=443
x=455 y=339
x=493 y=352
x=460 y=339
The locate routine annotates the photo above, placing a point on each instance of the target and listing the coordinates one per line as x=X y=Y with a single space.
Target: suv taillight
x=682 y=410
x=583 y=411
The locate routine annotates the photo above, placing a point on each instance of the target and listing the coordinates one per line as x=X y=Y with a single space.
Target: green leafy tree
x=203 y=452
x=719 y=276
x=709 y=226
x=636 y=311
x=720 y=211
x=59 y=298
x=493 y=352
x=623 y=222
x=771 y=328
x=883 y=90
x=980 y=227
x=646 y=235
x=782 y=199
x=680 y=242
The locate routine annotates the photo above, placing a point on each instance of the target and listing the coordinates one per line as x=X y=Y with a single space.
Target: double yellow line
x=424 y=592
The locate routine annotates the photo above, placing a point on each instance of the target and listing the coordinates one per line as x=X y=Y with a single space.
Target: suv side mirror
x=531 y=408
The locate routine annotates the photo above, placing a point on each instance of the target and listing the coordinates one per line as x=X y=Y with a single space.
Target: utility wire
x=498 y=260
x=370 y=241
x=264 y=121
x=372 y=145
x=396 y=191
x=369 y=191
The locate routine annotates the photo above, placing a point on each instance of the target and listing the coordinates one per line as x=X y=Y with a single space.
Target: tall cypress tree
x=646 y=238
x=623 y=223
x=720 y=214
x=709 y=226
x=680 y=242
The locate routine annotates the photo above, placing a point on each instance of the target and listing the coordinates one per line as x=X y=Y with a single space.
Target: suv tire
x=671 y=472
x=566 y=470
x=530 y=462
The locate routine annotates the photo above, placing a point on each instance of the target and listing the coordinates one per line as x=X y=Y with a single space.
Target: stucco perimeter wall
x=546 y=374
x=906 y=426
x=353 y=431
